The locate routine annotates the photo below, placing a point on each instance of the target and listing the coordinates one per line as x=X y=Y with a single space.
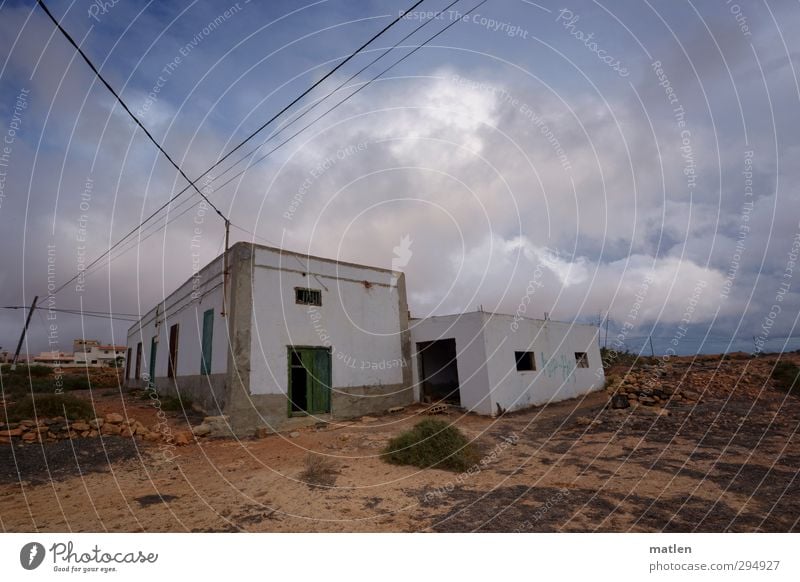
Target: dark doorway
x=309 y=381
x=438 y=370
x=172 y=365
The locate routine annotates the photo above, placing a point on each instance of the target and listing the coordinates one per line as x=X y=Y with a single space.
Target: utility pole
x=22 y=335
x=225 y=267
x=652 y=351
x=605 y=342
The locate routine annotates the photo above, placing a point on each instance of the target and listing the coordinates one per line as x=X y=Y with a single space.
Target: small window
x=581 y=360
x=525 y=361
x=307 y=296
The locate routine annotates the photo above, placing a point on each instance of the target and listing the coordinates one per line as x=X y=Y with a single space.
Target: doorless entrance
x=309 y=381
x=438 y=370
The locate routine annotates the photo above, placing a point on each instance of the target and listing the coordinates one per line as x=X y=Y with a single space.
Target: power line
x=102 y=314
x=277 y=132
x=361 y=88
x=124 y=105
x=192 y=183
x=336 y=90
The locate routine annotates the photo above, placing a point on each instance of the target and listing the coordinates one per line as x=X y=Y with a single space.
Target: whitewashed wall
x=554 y=344
x=473 y=377
x=360 y=322
x=185 y=307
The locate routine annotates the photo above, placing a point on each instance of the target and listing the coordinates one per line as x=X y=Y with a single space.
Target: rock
x=96 y=423
x=29 y=437
x=396 y=409
x=92 y=433
x=647 y=400
x=27 y=423
x=126 y=432
x=213 y=419
x=11 y=432
x=4 y=440
x=619 y=401
x=263 y=432
x=201 y=430
x=294 y=434
x=80 y=426
x=151 y=436
x=583 y=421
x=182 y=438
x=110 y=429
x=368 y=419
x=114 y=418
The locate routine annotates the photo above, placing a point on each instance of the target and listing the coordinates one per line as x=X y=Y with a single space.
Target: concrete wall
x=485 y=346
x=362 y=319
x=185 y=307
x=473 y=377
x=554 y=344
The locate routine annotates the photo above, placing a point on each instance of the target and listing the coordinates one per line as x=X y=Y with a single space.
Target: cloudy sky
x=581 y=159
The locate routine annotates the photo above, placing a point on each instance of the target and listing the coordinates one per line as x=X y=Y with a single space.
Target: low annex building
x=290 y=338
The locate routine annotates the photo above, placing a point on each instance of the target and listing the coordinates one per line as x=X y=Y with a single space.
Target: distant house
x=95 y=354
x=54 y=358
x=491 y=363
x=289 y=339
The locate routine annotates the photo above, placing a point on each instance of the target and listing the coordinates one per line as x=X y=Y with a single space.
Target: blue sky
x=531 y=141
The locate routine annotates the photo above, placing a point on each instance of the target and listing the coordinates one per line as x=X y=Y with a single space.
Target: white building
x=100 y=355
x=490 y=363
x=291 y=338
x=300 y=337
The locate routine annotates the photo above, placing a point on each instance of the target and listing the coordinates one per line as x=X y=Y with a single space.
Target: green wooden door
x=320 y=382
x=310 y=380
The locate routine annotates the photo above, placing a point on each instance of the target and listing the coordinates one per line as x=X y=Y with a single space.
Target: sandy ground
x=729 y=462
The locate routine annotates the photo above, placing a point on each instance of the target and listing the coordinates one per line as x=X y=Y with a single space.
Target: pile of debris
x=58 y=428
x=646 y=386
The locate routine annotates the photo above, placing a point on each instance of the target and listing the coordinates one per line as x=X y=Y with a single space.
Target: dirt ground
x=728 y=462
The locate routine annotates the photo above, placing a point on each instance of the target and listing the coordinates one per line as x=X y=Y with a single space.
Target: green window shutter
x=208 y=334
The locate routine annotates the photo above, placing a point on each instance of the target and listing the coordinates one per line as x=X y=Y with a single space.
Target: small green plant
x=50 y=405
x=786 y=377
x=432 y=444
x=319 y=471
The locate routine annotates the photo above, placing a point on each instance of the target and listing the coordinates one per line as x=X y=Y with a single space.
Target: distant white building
x=491 y=363
x=100 y=355
x=292 y=339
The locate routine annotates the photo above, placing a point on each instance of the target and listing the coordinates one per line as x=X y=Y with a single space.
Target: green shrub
x=786 y=377
x=50 y=405
x=432 y=444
